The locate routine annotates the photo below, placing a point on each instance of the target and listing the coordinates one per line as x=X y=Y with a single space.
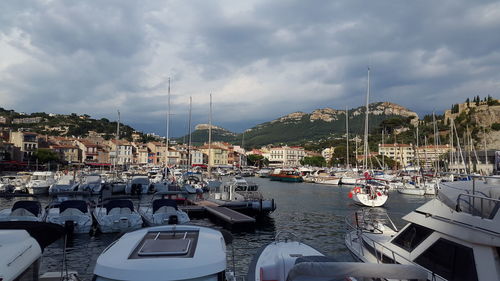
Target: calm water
x=315 y=213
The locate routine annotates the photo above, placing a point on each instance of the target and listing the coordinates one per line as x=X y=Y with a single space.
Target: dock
x=227 y=217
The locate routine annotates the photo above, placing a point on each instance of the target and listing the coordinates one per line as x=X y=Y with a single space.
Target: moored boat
x=169 y=252
x=287 y=175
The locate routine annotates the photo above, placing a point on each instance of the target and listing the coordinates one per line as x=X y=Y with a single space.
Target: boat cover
x=158 y=203
x=31 y=206
x=121 y=203
x=75 y=204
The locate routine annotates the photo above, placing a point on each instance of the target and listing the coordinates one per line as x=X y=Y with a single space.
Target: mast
x=436 y=163
x=117 y=138
x=347 y=136
x=356 y=152
x=168 y=124
x=365 y=150
x=417 y=151
x=189 y=128
x=485 y=150
x=210 y=139
x=383 y=156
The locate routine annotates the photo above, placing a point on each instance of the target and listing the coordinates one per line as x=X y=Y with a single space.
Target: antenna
x=210 y=139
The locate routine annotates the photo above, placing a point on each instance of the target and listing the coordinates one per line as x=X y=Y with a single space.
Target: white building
x=404 y=154
x=196 y=157
x=286 y=156
x=327 y=153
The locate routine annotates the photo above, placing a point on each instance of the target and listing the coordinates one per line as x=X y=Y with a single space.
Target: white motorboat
x=453 y=237
x=21 y=246
x=369 y=193
x=117 y=215
x=138 y=185
x=91 y=183
x=163 y=210
x=40 y=182
x=169 y=252
x=23 y=210
x=64 y=184
x=264 y=172
x=293 y=261
x=408 y=189
x=325 y=177
x=74 y=215
x=8 y=184
x=240 y=193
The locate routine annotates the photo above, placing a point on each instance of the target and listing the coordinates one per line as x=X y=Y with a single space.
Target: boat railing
x=480 y=206
x=383 y=254
x=286 y=235
x=370 y=221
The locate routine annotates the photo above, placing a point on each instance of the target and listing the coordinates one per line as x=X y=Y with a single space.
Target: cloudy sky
x=260 y=59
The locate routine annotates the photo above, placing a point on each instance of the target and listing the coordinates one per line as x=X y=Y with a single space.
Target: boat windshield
x=221 y=276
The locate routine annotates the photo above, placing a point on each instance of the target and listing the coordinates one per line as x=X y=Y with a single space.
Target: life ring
x=379 y=194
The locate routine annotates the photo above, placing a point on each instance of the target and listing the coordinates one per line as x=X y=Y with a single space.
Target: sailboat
x=368 y=192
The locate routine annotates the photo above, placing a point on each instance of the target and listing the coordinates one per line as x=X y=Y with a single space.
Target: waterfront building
x=121 y=150
x=157 y=152
x=217 y=155
x=3 y=120
x=89 y=150
x=67 y=153
x=402 y=153
x=427 y=155
x=286 y=156
x=27 y=143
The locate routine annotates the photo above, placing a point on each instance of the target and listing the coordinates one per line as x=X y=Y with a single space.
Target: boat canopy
x=30 y=206
x=74 y=204
x=119 y=203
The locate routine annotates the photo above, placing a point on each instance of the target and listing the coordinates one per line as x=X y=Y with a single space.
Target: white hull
x=328 y=181
x=162 y=218
x=277 y=259
x=366 y=200
x=348 y=181
x=117 y=222
x=82 y=221
x=411 y=191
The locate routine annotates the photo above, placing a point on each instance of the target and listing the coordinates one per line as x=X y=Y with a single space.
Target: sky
x=259 y=59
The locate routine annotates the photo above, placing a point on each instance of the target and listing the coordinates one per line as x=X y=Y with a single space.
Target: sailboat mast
x=367 y=112
x=168 y=124
x=117 y=138
x=417 y=151
x=189 y=127
x=347 y=136
x=436 y=163
x=485 y=150
x=383 y=156
x=210 y=139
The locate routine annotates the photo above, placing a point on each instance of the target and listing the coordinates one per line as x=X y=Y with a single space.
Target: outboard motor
x=173 y=220
x=69 y=226
x=136 y=189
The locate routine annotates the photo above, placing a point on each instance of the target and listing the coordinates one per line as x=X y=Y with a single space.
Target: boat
x=91 y=183
x=21 y=247
x=292 y=260
x=64 y=184
x=74 y=215
x=455 y=236
x=40 y=182
x=138 y=185
x=287 y=175
x=117 y=215
x=325 y=177
x=239 y=194
x=8 y=184
x=264 y=172
x=23 y=210
x=369 y=193
x=168 y=252
x=193 y=183
x=163 y=210
x=409 y=189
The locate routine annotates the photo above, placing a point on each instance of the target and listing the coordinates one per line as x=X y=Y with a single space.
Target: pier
x=223 y=215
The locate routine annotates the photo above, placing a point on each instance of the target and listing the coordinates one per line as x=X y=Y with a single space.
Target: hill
x=62 y=125
x=299 y=127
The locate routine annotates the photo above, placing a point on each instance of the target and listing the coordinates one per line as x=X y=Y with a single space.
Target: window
x=411 y=237
x=450 y=260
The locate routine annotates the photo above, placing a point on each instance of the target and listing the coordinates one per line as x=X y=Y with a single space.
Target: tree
x=257 y=160
x=45 y=155
x=315 y=161
x=468 y=102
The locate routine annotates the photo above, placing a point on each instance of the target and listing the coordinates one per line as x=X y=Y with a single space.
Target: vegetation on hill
x=72 y=125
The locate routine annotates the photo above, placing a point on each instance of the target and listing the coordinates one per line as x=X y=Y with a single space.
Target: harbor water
x=314 y=213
